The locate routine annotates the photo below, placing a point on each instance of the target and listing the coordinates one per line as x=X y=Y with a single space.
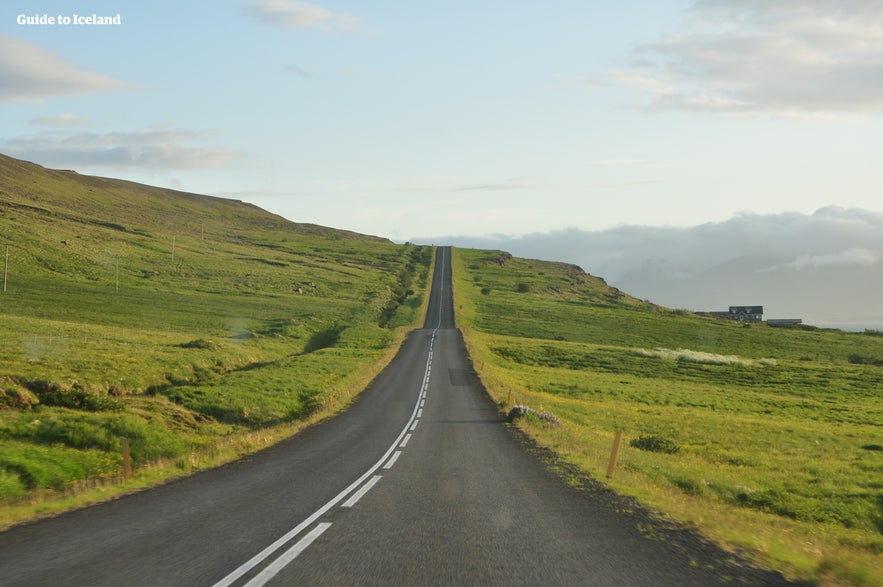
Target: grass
x=763 y=439
x=196 y=327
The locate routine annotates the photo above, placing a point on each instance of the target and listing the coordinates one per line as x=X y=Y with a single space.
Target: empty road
x=419 y=482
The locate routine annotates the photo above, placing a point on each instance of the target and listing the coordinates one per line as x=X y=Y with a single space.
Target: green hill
x=768 y=440
x=189 y=324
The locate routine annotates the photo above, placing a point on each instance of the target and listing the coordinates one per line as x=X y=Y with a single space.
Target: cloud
x=63 y=119
x=153 y=149
x=859 y=256
x=789 y=58
x=297 y=15
x=31 y=73
x=824 y=267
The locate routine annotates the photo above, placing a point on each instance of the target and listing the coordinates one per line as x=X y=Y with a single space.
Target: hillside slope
x=177 y=320
x=769 y=440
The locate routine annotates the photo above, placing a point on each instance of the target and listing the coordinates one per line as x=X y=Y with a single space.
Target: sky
x=425 y=119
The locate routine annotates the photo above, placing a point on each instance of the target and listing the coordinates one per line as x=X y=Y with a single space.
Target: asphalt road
x=419 y=482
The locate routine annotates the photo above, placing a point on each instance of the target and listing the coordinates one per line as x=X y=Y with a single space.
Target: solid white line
x=405 y=441
x=414 y=425
x=361 y=492
x=392 y=460
x=280 y=563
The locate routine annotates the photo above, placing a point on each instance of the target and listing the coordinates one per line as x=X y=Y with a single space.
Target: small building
x=746 y=313
x=784 y=321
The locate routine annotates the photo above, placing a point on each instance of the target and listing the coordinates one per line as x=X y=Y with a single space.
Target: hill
x=767 y=440
x=196 y=327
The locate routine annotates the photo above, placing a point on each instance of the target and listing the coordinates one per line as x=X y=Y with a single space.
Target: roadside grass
x=198 y=328
x=778 y=432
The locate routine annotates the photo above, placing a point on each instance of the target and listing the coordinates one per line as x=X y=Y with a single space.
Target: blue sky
x=424 y=119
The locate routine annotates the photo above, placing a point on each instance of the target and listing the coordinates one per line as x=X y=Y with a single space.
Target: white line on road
x=277 y=565
x=405 y=441
x=257 y=559
x=414 y=425
x=420 y=413
x=361 y=492
x=392 y=460
x=422 y=403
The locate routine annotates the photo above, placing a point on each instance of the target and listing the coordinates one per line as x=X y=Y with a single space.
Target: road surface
x=419 y=482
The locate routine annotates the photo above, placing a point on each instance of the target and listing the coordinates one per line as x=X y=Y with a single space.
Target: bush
x=199 y=343
x=655 y=444
x=523 y=288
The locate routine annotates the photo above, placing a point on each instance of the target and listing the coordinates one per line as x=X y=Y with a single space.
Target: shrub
x=655 y=444
x=199 y=343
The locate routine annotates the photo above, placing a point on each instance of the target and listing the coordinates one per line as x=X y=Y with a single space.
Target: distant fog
x=826 y=268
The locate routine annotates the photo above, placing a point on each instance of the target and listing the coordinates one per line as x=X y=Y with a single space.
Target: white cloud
x=294 y=14
x=31 y=73
x=153 y=149
x=858 y=256
x=785 y=58
x=63 y=119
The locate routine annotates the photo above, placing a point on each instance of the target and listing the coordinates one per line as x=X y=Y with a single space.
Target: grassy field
x=196 y=327
x=767 y=440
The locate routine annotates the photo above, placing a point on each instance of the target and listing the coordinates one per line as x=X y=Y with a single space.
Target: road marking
x=420 y=413
x=292 y=553
x=392 y=460
x=414 y=425
x=405 y=441
x=354 y=499
x=260 y=557
x=422 y=403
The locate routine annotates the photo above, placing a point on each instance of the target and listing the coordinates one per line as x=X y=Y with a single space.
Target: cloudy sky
x=419 y=120
x=433 y=118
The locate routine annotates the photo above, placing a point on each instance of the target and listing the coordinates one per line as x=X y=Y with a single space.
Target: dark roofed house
x=747 y=313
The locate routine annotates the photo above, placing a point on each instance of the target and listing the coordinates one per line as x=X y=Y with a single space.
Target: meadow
x=767 y=440
x=197 y=328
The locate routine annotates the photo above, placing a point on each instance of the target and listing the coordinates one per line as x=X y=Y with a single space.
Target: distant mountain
x=825 y=267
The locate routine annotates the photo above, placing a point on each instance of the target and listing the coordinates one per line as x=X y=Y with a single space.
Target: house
x=746 y=313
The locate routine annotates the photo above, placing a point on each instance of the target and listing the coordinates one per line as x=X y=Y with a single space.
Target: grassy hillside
x=196 y=327
x=767 y=440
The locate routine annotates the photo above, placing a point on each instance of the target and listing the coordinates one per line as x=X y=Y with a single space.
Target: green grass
x=771 y=435
x=196 y=327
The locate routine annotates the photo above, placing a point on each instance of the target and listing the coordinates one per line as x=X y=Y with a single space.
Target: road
x=419 y=482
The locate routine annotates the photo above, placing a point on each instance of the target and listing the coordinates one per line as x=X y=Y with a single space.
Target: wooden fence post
x=613 y=455
x=127 y=458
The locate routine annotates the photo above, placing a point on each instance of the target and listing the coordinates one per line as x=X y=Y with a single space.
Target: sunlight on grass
x=196 y=327
x=774 y=429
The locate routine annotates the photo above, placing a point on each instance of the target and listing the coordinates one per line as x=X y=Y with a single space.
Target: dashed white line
x=292 y=553
x=420 y=413
x=405 y=441
x=392 y=460
x=414 y=425
x=354 y=499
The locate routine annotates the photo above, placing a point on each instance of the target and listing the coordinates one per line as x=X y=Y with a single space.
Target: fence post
x=127 y=458
x=613 y=455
